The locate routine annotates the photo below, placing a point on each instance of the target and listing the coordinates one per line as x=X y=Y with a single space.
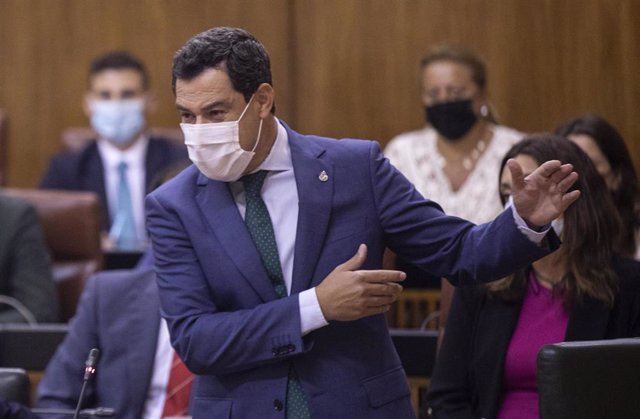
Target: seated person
x=26 y=285
x=119 y=314
x=121 y=163
x=606 y=148
x=583 y=291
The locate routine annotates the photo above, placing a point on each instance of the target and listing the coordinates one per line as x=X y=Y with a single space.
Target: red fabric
x=176 y=402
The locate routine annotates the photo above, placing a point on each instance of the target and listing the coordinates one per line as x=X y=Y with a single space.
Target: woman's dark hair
x=234 y=50
x=626 y=196
x=590 y=226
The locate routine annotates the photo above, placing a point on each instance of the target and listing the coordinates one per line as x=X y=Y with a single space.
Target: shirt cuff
x=311 y=317
x=535 y=236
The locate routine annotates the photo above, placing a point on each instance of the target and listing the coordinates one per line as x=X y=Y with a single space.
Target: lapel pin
x=323 y=176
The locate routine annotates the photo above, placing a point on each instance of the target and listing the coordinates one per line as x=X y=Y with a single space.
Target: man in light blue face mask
x=120 y=165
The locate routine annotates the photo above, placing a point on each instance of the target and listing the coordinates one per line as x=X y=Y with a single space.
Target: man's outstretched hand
x=542 y=196
x=348 y=293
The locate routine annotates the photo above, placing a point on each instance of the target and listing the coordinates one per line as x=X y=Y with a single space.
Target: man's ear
x=265 y=97
x=86 y=105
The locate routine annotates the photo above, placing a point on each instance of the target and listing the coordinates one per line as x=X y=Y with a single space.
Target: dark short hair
x=627 y=196
x=118 y=60
x=233 y=50
x=591 y=224
x=459 y=55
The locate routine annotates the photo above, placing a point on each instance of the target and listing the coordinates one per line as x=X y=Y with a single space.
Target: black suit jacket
x=83 y=171
x=467 y=379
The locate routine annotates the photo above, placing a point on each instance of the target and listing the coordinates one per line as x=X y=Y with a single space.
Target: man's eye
x=216 y=114
x=186 y=117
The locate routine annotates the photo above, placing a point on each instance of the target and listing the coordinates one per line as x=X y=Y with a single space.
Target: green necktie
x=259 y=225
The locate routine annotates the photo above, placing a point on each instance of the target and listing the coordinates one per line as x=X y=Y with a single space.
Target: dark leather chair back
x=71 y=226
x=590 y=379
x=14 y=385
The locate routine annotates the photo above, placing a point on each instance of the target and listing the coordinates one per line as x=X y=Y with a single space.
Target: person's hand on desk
x=542 y=196
x=350 y=294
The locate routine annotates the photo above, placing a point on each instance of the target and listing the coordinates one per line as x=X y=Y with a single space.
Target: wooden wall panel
x=548 y=60
x=46 y=47
x=341 y=67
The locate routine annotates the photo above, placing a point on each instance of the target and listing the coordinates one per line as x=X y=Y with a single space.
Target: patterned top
x=416 y=155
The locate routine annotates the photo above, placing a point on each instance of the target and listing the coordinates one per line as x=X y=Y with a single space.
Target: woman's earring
x=484 y=110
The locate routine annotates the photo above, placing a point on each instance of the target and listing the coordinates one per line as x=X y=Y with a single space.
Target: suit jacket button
x=278 y=405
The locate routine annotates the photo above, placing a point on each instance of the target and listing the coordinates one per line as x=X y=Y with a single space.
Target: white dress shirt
x=154 y=405
x=135 y=157
x=280 y=195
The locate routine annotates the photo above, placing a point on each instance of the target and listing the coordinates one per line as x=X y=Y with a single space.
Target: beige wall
x=341 y=67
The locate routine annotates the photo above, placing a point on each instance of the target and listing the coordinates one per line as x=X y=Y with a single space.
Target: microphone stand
x=89 y=371
x=98 y=412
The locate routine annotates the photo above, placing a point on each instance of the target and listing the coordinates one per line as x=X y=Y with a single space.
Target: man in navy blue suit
x=116 y=103
x=254 y=248
x=118 y=314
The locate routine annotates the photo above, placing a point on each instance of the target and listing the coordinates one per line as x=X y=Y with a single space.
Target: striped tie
x=176 y=402
x=259 y=225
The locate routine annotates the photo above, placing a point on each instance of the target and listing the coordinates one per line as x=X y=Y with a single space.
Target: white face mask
x=558 y=225
x=119 y=121
x=215 y=148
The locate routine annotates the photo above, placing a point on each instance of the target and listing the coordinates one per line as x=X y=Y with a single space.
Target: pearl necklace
x=469 y=161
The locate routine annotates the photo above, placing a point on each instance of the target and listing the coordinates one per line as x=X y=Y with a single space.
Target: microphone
x=90 y=364
x=89 y=371
x=98 y=412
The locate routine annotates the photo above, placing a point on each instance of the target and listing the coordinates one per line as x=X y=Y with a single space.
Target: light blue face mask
x=119 y=121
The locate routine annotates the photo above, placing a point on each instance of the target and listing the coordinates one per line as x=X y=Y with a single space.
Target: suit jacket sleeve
x=209 y=340
x=450 y=391
x=28 y=269
x=443 y=245
x=60 y=386
x=61 y=173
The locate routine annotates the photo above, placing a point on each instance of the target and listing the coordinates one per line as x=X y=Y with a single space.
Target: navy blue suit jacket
x=118 y=314
x=83 y=170
x=223 y=314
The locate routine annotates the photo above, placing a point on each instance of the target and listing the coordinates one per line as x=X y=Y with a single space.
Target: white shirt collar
x=112 y=155
x=279 y=158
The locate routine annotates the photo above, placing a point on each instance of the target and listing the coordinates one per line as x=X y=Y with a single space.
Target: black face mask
x=453 y=120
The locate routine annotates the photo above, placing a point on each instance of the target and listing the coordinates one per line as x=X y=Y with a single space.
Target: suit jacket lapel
x=497 y=323
x=220 y=211
x=588 y=320
x=315 y=194
x=95 y=180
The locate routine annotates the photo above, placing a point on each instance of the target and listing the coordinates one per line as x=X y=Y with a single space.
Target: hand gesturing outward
x=349 y=293
x=542 y=196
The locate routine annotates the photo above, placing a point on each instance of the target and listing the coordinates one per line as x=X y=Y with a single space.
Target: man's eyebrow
x=208 y=106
